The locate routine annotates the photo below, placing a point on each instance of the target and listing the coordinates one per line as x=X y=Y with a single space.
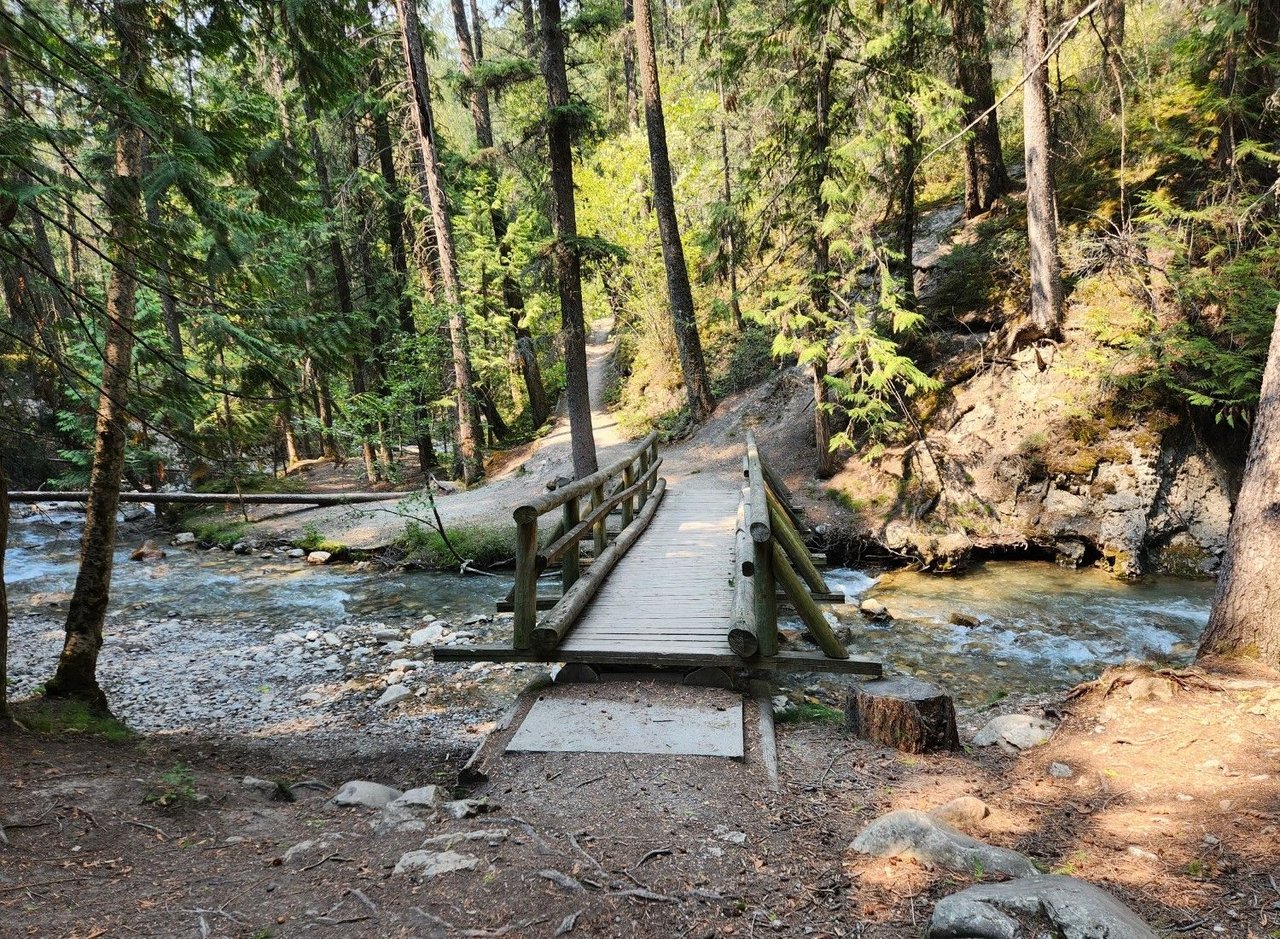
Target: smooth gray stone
x=1014 y=732
x=361 y=792
x=1026 y=908
x=917 y=835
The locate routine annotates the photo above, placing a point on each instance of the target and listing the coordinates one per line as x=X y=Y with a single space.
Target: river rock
x=1061 y=771
x=1036 y=906
x=184 y=537
x=964 y=619
x=427 y=864
x=874 y=609
x=410 y=811
x=296 y=553
x=262 y=785
x=428 y=635
x=319 y=557
x=908 y=833
x=1013 y=732
x=962 y=812
x=369 y=794
x=393 y=695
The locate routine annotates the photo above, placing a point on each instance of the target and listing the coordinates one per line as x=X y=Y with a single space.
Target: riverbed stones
x=296 y=553
x=428 y=864
x=393 y=695
x=1014 y=732
x=361 y=792
x=918 y=836
x=1061 y=771
x=428 y=635
x=873 y=609
x=184 y=538
x=319 y=557
x=1032 y=907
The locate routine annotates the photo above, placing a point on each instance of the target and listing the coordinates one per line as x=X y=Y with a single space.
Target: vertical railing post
x=766 y=598
x=628 y=480
x=653 y=458
x=600 y=531
x=524 y=594
x=644 y=490
x=569 y=564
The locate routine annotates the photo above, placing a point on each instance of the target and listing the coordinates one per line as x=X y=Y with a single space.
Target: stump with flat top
x=904 y=713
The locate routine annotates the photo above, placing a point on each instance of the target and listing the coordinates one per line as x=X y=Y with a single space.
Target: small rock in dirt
x=1061 y=771
x=393 y=695
x=1013 y=732
x=466 y=808
x=434 y=863
x=1142 y=854
x=1032 y=907
x=331 y=639
x=491 y=836
x=319 y=557
x=184 y=537
x=912 y=834
x=361 y=792
x=1150 y=688
x=873 y=609
x=241 y=547
x=262 y=785
x=394 y=647
x=311 y=697
x=302 y=847
x=965 y=620
x=962 y=812
x=725 y=833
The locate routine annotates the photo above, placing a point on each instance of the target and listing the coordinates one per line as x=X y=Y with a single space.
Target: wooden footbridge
x=692 y=576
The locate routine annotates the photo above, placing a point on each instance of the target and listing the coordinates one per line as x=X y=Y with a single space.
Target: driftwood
x=904 y=713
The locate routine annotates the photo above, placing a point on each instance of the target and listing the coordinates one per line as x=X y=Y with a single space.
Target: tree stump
x=910 y=715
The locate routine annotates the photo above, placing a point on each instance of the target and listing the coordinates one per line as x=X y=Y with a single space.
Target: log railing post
x=628 y=480
x=569 y=564
x=524 y=594
x=601 y=530
x=760 y=528
x=644 y=490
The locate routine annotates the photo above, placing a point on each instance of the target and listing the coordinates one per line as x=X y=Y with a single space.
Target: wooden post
x=653 y=457
x=524 y=594
x=628 y=480
x=789 y=538
x=601 y=531
x=816 y=623
x=569 y=564
x=644 y=490
x=742 y=619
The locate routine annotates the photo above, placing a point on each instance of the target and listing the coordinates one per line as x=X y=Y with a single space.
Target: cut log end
x=743 y=642
x=904 y=713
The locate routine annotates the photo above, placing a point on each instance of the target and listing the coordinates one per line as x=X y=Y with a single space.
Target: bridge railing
x=631 y=483
x=771 y=554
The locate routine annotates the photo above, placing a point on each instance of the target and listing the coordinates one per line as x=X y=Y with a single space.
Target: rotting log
x=556 y=624
x=742 y=620
x=219 y=498
x=904 y=713
x=819 y=629
x=785 y=533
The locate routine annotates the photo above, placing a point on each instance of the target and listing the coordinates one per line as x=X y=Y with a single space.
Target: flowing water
x=1040 y=626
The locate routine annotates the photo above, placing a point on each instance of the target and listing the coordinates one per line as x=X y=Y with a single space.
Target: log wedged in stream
x=904 y=713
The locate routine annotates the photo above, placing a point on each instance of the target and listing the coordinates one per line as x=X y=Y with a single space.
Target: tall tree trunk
x=1113 y=12
x=76 y=675
x=478 y=95
x=727 y=193
x=680 y=295
x=5 y=716
x=820 y=283
x=1245 y=620
x=565 y=251
x=469 y=431
x=1042 y=223
x=530 y=26
x=629 y=62
x=985 y=177
x=907 y=221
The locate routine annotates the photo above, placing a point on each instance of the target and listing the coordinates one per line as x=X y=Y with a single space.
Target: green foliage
x=222 y=532
x=177 y=787
x=485 y=546
x=810 y=712
x=59 y=716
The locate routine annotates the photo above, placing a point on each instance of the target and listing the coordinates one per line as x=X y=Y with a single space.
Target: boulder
x=319 y=557
x=427 y=864
x=410 y=811
x=908 y=833
x=428 y=635
x=296 y=553
x=1014 y=732
x=147 y=551
x=369 y=794
x=1029 y=908
x=873 y=609
x=964 y=619
x=184 y=537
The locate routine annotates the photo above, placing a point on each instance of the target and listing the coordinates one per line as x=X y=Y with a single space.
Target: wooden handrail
x=638 y=492
x=580 y=487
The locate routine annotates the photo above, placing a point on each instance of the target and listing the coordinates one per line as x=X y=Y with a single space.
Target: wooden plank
x=783 y=661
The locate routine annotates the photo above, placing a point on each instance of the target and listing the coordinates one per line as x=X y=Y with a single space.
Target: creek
x=1040 y=627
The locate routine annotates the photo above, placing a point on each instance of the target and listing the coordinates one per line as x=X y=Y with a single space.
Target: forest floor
x=1172 y=803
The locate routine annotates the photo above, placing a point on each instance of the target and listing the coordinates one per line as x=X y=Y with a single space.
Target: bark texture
x=1042 y=224
x=820 y=245
x=985 y=177
x=679 y=294
x=1245 y=620
x=565 y=253
x=904 y=713
x=468 y=414
x=478 y=95
x=4 y=600
x=76 y=676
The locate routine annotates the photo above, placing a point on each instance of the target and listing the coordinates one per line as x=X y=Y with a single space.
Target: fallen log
x=218 y=498
x=904 y=713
